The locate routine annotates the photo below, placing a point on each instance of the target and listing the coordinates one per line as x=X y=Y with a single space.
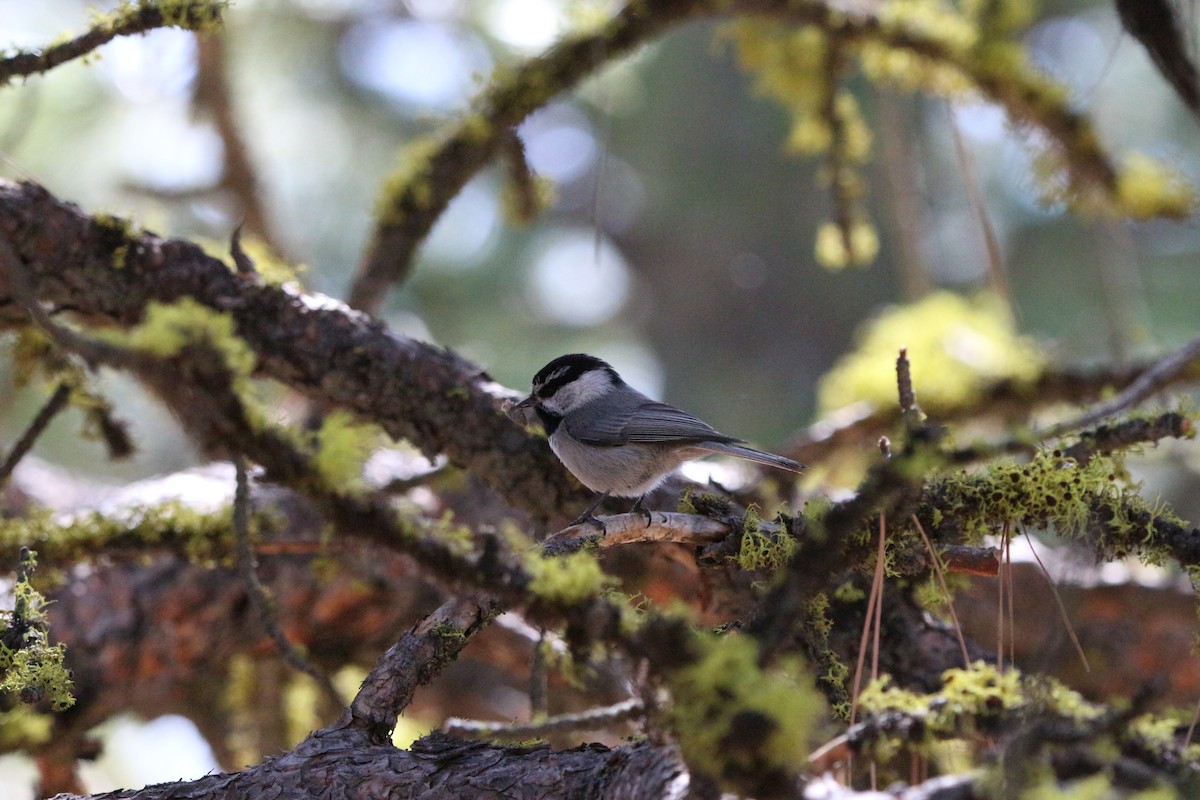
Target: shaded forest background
x=676 y=237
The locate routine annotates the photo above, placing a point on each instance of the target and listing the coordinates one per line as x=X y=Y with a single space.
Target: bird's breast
x=628 y=470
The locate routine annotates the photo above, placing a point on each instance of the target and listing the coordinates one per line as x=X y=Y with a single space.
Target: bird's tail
x=750 y=454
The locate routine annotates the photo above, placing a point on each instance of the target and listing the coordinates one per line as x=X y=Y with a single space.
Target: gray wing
x=640 y=420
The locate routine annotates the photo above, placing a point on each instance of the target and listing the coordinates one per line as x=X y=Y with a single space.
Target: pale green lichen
x=410 y=184
x=956 y=346
x=32 y=669
x=817 y=625
x=194 y=15
x=763 y=550
x=734 y=718
x=167 y=328
x=1147 y=188
x=66 y=538
x=568 y=579
x=1052 y=491
x=343 y=445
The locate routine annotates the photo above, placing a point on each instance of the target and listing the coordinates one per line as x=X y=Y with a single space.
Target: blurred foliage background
x=680 y=241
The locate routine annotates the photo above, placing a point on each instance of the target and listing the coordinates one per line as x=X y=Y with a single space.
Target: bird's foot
x=638 y=508
x=588 y=518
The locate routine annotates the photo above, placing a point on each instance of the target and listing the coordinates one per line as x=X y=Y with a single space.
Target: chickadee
x=616 y=440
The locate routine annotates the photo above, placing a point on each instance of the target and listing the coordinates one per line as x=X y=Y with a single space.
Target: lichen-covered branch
x=989 y=61
x=129 y=19
x=439 y=401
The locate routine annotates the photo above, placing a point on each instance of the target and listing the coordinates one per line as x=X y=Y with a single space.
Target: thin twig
x=1062 y=609
x=1149 y=382
x=910 y=412
x=134 y=19
x=51 y=409
x=584 y=720
x=259 y=597
x=997 y=276
x=941 y=579
x=239 y=175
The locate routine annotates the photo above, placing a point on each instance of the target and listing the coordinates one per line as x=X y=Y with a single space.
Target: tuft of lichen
x=31 y=669
x=737 y=719
x=1147 y=188
x=760 y=549
x=167 y=328
x=1053 y=491
x=193 y=15
x=568 y=579
x=343 y=446
x=959 y=726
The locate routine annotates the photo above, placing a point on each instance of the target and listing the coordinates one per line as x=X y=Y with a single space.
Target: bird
x=616 y=440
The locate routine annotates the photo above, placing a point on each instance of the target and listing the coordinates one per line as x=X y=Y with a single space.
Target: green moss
x=167 y=328
x=343 y=446
x=566 y=579
x=31 y=669
x=736 y=719
x=761 y=549
x=410 y=185
x=63 y=538
x=1052 y=491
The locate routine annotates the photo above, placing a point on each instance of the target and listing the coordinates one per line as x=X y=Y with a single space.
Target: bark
x=428 y=395
x=336 y=762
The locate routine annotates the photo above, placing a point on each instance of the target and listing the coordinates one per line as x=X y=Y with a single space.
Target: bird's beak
x=519 y=412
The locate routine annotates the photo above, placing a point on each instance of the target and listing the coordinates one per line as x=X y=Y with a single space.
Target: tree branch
x=416 y=197
x=132 y=19
x=436 y=399
x=413 y=661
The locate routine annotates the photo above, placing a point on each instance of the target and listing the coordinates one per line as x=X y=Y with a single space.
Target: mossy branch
x=130 y=18
x=439 y=401
x=991 y=62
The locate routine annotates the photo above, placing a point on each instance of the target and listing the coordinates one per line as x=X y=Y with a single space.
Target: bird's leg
x=638 y=508
x=586 y=516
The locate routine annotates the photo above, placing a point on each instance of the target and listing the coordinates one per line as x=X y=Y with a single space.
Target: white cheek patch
x=584 y=389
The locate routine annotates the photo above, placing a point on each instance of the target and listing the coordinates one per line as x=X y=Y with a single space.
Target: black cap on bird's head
x=565 y=369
